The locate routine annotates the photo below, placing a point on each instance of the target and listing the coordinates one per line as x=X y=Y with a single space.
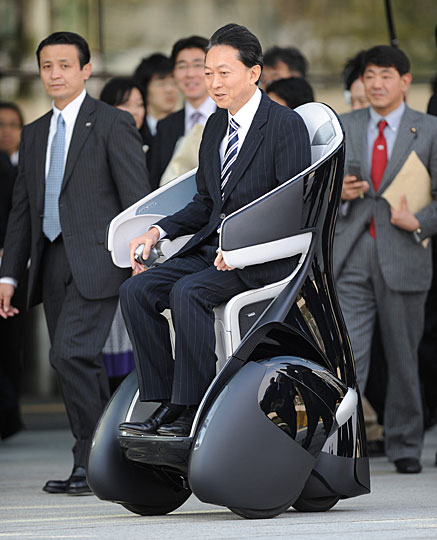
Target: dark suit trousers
x=190 y=286
x=363 y=295
x=78 y=329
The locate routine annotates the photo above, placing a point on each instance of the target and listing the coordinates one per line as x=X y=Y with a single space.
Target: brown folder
x=414 y=182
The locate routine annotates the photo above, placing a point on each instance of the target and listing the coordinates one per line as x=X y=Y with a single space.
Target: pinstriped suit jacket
x=405 y=264
x=105 y=172
x=276 y=148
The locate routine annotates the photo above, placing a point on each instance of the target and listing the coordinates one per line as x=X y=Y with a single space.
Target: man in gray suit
x=80 y=165
x=382 y=265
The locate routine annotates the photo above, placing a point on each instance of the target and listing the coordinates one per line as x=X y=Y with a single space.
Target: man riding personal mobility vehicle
x=281 y=425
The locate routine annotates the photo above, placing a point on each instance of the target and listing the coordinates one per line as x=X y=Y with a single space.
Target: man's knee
x=132 y=289
x=184 y=291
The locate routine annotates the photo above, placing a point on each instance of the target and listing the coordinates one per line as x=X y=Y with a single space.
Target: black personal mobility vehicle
x=281 y=425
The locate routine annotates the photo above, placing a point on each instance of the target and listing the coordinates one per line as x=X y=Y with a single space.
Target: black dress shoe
x=165 y=413
x=408 y=466
x=180 y=427
x=75 y=485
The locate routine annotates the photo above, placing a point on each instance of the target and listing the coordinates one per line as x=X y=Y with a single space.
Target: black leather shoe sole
x=180 y=427
x=56 y=486
x=78 y=487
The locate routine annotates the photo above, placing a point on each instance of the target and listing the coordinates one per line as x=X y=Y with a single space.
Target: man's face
x=162 y=95
x=279 y=71
x=189 y=74
x=61 y=74
x=385 y=87
x=230 y=83
x=10 y=131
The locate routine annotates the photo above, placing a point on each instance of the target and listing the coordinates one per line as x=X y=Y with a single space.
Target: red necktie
x=379 y=162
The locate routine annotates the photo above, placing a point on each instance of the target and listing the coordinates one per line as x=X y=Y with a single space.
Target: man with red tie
x=382 y=259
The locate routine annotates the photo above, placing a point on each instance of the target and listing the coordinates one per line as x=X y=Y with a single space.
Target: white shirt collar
x=152 y=123
x=70 y=112
x=244 y=116
x=393 y=119
x=206 y=108
x=13 y=158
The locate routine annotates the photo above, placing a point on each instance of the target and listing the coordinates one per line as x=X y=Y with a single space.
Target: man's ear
x=87 y=70
x=255 y=73
x=406 y=80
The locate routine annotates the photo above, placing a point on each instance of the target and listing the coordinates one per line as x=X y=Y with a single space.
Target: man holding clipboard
x=382 y=260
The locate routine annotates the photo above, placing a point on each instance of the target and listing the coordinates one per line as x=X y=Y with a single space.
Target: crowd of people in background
x=170 y=142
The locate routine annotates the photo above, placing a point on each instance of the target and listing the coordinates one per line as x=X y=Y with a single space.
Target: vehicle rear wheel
x=318 y=504
x=259 y=514
x=144 y=510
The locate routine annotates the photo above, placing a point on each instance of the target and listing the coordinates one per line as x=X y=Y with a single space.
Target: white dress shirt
x=205 y=109
x=69 y=114
x=390 y=132
x=244 y=118
x=152 y=123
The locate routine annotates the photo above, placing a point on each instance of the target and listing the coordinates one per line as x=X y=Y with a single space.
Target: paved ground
x=401 y=507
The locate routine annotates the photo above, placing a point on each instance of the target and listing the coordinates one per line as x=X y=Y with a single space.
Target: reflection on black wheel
x=319 y=504
x=259 y=514
x=144 y=510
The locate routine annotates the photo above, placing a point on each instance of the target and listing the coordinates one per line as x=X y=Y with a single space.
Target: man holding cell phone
x=382 y=265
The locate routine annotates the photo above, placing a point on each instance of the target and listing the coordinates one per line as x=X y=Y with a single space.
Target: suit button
x=222 y=216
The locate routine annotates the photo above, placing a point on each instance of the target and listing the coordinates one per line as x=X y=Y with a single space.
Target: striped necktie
x=51 y=224
x=230 y=154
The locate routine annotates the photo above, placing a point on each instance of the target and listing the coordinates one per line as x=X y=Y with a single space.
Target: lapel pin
x=413 y=130
x=88 y=124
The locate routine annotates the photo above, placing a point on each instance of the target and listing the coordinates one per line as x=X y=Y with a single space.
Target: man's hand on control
x=6 y=293
x=149 y=239
x=404 y=218
x=353 y=188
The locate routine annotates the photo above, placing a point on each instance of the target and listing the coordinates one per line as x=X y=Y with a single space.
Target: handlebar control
x=153 y=256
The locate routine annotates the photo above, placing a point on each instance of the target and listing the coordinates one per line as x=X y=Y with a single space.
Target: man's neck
x=196 y=103
x=62 y=103
x=157 y=114
x=248 y=98
x=385 y=111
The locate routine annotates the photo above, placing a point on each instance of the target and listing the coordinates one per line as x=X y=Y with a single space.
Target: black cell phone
x=354 y=169
x=153 y=255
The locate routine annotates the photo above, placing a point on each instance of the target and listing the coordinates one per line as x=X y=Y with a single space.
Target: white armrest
x=261 y=253
x=168 y=248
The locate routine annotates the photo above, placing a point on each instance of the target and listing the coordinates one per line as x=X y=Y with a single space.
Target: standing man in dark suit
x=11 y=330
x=382 y=265
x=249 y=147
x=80 y=165
x=188 y=60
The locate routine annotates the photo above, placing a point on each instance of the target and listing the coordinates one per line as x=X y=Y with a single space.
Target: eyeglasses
x=185 y=66
x=10 y=125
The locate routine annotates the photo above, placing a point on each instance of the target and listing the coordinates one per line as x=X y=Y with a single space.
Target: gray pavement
x=400 y=506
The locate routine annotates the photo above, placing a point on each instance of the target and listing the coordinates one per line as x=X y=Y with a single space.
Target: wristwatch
x=416 y=235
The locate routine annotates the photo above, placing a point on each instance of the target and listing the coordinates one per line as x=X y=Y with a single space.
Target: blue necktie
x=230 y=154
x=51 y=225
